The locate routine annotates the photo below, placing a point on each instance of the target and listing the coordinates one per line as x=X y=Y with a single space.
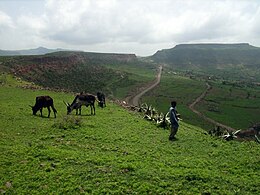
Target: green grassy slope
x=234 y=104
x=115 y=151
x=238 y=107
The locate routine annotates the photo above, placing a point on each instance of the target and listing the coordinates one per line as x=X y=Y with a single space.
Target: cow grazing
x=102 y=100
x=80 y=100
x=44 y=102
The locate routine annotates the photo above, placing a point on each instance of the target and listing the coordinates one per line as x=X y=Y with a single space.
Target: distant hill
x=240 y=62
x=75 y=71
x=209 y=55
x=36 y=51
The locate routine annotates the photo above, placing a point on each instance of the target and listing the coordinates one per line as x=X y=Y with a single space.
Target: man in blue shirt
x=174 y=121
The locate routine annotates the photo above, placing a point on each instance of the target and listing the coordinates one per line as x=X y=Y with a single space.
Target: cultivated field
x=182 y=89
x=234 y=104
x=114 y=152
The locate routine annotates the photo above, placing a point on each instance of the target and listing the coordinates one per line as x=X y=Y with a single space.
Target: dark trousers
x=174 y=130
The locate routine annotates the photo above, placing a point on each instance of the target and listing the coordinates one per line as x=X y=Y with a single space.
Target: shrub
x=68 y=122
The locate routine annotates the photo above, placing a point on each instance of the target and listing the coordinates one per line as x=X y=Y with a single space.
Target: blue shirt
x=173 y=117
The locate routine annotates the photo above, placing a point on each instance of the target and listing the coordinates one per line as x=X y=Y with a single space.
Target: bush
x=68 y=122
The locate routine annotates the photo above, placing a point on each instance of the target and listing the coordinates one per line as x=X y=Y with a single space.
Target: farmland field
x=115 y=151
x=182 y=89
x=236 y=105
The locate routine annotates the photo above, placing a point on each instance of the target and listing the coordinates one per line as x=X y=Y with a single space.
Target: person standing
x=174 y=121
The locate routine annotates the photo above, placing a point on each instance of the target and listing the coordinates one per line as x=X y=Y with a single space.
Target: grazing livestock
x=101 y=98
x=80 y=100
x=44 y=102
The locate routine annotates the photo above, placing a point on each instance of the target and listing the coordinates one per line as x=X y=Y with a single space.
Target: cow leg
x=41 y=111
x=80 y=110
x=93 y=105
x=91 y=109
x=49 y=110
x=54 y=110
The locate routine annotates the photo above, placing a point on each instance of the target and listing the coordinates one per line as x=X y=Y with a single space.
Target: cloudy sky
x=126 y=26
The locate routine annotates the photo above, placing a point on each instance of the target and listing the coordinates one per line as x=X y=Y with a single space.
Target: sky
x=140 y=27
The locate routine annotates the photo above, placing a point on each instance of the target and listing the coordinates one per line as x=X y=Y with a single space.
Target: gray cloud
x=131 y=26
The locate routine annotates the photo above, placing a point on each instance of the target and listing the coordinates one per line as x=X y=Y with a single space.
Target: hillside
x=78 y=71
x=238 y=61
x=210 y=55
x=120 y=76
x=114 y=152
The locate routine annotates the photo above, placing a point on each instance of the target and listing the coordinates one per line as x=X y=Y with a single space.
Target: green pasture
x=233 y=105
x=182 y=89
x=138 y=67
x=113 y=152
x=128 y=84
x=134 y=76
x=238 y=107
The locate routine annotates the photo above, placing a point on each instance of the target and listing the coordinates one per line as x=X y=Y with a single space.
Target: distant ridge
x=36 y=51
x=217 y=46
x=206 y=55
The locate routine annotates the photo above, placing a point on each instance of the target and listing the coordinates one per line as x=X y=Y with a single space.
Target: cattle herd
x=79 y=101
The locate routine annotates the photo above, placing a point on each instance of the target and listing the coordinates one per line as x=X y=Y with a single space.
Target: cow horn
x=67 y=104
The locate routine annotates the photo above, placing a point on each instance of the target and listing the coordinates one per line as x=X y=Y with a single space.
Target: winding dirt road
x=134 y=100
x=191 y=107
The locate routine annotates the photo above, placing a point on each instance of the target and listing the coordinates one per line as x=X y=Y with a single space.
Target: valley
x=117 y=147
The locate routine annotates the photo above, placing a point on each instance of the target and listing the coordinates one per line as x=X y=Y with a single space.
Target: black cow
x=102 y=99
x=80 y=100
x=44 y=102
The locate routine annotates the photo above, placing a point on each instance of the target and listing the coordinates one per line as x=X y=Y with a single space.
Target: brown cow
x=44 y=102
x=102 y=99
x=80 y=100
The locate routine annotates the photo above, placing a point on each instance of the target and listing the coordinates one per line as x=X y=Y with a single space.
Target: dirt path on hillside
x=191 y=107
x=134 y=100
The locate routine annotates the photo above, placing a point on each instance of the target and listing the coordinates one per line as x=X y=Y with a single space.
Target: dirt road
x=134 y=100
x=191 y=106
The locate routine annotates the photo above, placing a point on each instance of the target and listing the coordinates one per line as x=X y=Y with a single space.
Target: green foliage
x=114 y=152
x=68 y=122
x=151 y=114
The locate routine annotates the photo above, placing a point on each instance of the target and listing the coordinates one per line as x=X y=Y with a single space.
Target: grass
x=234 y=106
x=182 y=89
x=134 y=76
x=114 y=152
